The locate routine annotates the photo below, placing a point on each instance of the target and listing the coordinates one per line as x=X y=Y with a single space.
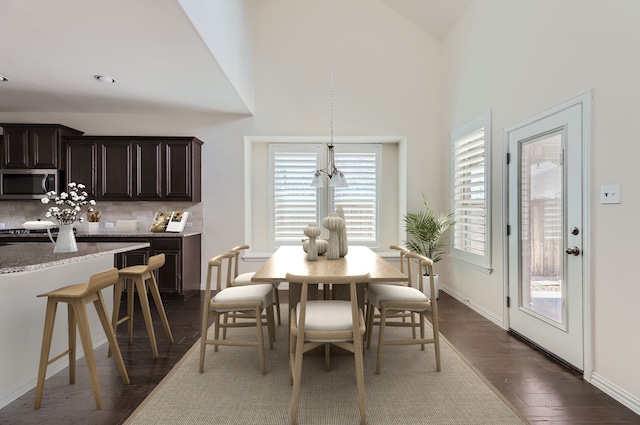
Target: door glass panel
x=541 y=224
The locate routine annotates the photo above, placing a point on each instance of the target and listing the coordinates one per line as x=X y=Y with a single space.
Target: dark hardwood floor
x=544 y=390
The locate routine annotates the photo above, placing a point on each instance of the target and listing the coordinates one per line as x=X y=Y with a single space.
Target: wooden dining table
x=359 y=260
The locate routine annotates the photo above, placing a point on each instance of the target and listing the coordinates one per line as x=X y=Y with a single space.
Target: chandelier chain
x=331 y=75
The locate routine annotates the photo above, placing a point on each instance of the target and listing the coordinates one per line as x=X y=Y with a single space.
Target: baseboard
x=615 y=392
x=475 y=307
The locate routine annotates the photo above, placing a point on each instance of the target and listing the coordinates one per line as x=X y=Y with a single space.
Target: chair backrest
x=236 y=260
x=334 y=280
x=423 y=263
x=101 y=280
x=155 y=262
x=218 y=262
x=403 y=259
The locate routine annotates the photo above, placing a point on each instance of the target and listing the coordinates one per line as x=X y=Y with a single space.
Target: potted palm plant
x=425 y=229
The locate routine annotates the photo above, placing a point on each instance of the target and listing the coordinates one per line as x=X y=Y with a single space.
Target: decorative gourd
x=312 y=232
x=332 y=223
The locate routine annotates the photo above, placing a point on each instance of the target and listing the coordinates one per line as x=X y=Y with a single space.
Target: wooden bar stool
x=76 y=297
x=140 y=275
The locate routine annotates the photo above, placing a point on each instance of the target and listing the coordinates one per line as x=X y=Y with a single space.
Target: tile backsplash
x=14 y=213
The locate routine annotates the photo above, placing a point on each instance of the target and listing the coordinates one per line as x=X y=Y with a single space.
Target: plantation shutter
x=470 y=192
x=360 y=200
x=295 y=202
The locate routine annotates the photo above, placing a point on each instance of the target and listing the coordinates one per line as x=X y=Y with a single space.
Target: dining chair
x=247 y=302
x=245 y=278
x=391 y=299
x=315 y=323
x=373 y=318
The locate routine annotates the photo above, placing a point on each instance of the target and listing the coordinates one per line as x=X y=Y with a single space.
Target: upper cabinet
x=34 y=145
x=121 y=168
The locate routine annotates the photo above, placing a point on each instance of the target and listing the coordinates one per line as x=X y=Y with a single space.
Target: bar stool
x=140 y=275
x=76 y=297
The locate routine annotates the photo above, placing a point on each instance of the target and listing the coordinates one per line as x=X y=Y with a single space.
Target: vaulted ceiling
x=51 y=50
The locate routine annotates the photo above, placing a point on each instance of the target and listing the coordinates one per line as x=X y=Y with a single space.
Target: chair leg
x=297 y=378
x=101 y=309
x=271 y=326
x=130 y=300
x=49 y=319
x=436 y=336
x=117 y=298
x=71 y=336
x=85 y=337
x=258 y=313
x=371 y=310
x=383 y=321
x=146 y=313
x=203 y=333
x=292 y=345
x=153 y=288
x=277 y=295
x=357 y=352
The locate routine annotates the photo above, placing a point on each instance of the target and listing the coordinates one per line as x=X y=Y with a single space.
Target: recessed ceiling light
x=104 y=78
x=3 y=78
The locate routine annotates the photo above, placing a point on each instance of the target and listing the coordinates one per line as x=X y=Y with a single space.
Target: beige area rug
x=408 y=390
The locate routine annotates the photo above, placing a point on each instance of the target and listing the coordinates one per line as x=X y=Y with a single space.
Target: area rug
x=407 y=391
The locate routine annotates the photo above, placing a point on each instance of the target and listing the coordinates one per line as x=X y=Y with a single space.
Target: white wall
x=520 y=58
x=223 y=26
x=386 y=80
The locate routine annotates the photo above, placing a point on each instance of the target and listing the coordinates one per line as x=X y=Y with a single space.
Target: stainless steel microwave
x=28 y=184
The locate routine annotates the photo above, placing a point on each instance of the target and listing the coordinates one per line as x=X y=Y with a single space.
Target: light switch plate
x=610 y=194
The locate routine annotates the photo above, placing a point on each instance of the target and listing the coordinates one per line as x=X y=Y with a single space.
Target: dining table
x=358 y=260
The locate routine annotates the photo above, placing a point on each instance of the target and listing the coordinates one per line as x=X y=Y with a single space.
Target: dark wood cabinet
x=180 y=275
x=115 y=170
x=34 y=145
x=148 y=170
x=81 y=158
x=139 y=168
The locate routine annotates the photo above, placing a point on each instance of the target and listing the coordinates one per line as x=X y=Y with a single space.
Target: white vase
x=66 y=240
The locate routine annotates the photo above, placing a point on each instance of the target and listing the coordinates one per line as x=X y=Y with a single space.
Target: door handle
x=573 y=251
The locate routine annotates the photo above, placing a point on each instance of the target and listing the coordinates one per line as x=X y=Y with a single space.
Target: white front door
x=545 y=241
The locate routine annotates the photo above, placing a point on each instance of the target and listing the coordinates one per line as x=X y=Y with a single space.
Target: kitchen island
x=30 y=269
x=181 y=274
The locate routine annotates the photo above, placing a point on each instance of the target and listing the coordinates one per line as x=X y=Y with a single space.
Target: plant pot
x=427 y=287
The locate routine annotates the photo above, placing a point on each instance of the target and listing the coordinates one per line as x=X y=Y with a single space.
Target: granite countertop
x=106 y=235
x=21 y=257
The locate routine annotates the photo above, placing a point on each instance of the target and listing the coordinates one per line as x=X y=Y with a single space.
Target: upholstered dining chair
x=247 y=302
x=314 y=323
x=373 y=318
x=245 y=278
x=391 y=299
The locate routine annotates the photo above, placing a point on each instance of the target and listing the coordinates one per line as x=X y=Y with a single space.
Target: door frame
x=585 y=101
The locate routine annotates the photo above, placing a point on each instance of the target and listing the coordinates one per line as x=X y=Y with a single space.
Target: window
x=280 y=203
x=295 y=203
x=470 y=147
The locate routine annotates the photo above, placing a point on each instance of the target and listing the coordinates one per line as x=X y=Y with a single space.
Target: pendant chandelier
x=336 y=177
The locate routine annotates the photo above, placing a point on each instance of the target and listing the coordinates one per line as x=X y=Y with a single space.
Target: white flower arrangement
x=68 y=205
